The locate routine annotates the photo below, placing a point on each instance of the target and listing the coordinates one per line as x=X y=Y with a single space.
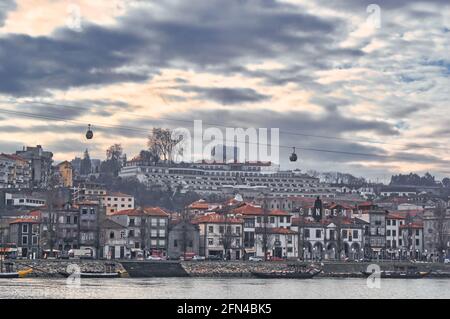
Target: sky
x=341 y=75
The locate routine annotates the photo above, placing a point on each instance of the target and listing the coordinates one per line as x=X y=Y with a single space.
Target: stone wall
x=51 y=268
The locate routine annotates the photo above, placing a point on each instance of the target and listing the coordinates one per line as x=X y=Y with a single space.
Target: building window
x=388 y=222
x=388 y=232
x=210 y=229
x=25 y=228
x=175 y=243
x=24 y=240
x=417 y=242
x=34 y=240
x=307 y=233
x=272 y=220
x=221 y=229
x=111 y=235
x=210 y=241
x=289 y=249
x=318 y=233
x=394 y=223
x=258 y=219
x=68 y=219
x=355 y=234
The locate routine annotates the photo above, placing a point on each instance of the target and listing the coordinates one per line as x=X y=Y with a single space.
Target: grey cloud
x=5 y=7
x=227 y=96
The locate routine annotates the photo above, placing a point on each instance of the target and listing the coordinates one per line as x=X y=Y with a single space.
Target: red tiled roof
x=146 y=211
x=218 y=219
x=199 y=205
x=412 y=225
x=25 y=220
x=129 y=212
x=117 y=194
x=395 y=216
x=276 y=230
x=155 y=211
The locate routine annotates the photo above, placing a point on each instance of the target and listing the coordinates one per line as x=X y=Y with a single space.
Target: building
x=394 y=240
x=278 y=242
x=221 y=236
x=88 y=191
x=24 y=200
x=15 y=172
x=437 y=234
x=412 y=237
x=147 y=230
x=266 y=230
x=377 y=241
x=25 y=232
x=65 y=174
x=184 y=237
x=249 y=179
x=90 y=218
x=333 y=237
x=115 y=202
x=114 y=241
x=67 y=229
x=41 y=164
x=398 y=191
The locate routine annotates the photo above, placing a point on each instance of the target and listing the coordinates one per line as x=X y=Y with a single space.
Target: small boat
x=399 y=275
x=93 y=274
x=10 y=271
x=287 y=274
x=15 y=274
x=109 y=272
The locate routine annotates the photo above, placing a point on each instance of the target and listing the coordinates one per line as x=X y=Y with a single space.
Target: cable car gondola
x=293 y=157
x=89 y=133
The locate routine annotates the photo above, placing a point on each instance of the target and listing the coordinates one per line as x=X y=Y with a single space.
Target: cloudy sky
x=340 y=75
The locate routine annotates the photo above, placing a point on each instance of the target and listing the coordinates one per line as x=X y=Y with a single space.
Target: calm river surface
x=192 y=288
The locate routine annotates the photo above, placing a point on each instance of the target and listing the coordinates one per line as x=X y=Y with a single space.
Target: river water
x=194 y=288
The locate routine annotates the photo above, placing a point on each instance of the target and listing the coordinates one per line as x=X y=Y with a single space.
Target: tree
x=266 y=235
x=162 y=144
x=86 y=165
x=442 y=229
x=149 y=156
x=114 y=160
x=227 y=236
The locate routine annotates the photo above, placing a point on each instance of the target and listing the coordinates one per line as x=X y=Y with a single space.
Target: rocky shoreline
x=216 y=269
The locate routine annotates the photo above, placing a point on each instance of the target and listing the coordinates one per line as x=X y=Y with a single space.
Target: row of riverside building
x=306 y=229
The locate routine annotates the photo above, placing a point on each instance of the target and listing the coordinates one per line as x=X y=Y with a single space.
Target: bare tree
x=441 y=226
x=162 y=143
x=266 y=239
x=227 y=236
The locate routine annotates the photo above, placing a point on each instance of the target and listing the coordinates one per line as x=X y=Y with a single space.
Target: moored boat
x=286 y=274
x=15 y=274
x=93 y=274
x=400 y=273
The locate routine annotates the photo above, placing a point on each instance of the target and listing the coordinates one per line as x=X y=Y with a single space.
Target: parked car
x=199 y=258
x=84 y=253
x=447 y=261
x=254 y=258
x=155 y=258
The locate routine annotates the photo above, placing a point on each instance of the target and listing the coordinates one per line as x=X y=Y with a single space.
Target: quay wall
x=141 y=269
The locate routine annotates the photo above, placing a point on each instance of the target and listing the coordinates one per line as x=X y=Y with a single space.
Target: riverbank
x=213 y=269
